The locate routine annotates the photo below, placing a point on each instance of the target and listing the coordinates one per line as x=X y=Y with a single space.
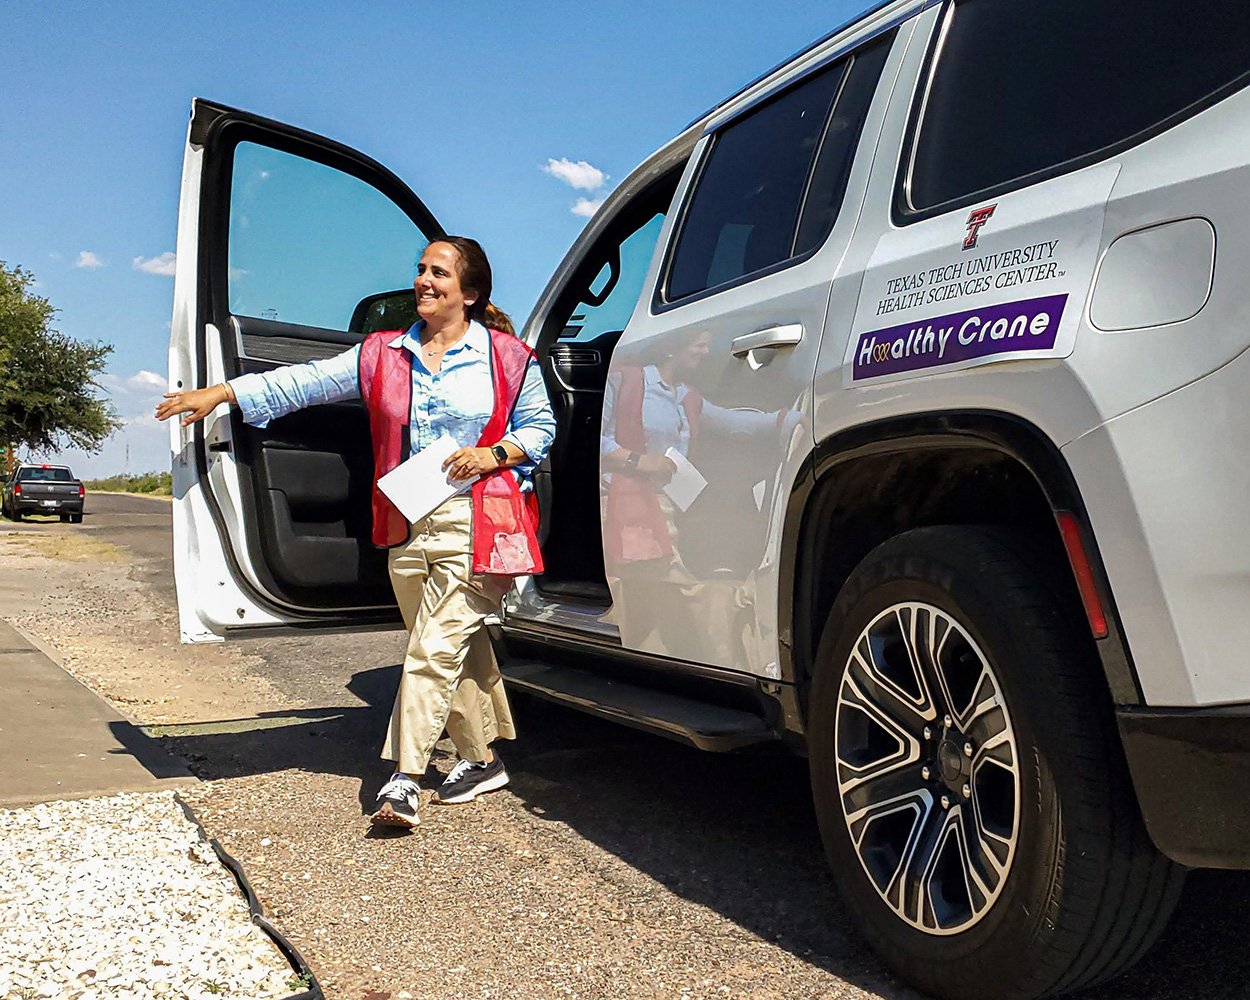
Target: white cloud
x=586 y=206
x=55 y=255
x=88 y=260
x=134 y=395
x=580 y=175
x=141 y=444
x=164 y=264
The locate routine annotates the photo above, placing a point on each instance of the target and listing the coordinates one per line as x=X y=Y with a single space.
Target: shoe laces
x=399 y=787
x=462 y=768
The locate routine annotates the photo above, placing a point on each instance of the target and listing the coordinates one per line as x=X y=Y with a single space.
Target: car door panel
x=704 y=588
x=284 y=509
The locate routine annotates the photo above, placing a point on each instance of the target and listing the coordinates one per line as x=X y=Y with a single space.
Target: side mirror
x=384 y=311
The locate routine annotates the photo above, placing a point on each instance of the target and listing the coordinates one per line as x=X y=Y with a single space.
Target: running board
x=708 y=727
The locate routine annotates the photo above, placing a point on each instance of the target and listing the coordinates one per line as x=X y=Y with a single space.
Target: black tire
x=1085 y=892
x=76 y=518
x=64 y=518
x=16 y=514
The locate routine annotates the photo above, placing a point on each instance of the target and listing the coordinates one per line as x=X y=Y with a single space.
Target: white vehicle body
x=1058 y=352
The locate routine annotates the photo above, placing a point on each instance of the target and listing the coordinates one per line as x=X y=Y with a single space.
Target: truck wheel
x=970 y=788
x=16 y=514
x=64 y=518
x=76 y=518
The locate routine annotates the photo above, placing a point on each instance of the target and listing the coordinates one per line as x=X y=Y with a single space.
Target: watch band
x=500 y=452
x=631 y=460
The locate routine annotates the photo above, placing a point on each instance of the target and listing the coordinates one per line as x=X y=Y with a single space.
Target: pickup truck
x=42 y=489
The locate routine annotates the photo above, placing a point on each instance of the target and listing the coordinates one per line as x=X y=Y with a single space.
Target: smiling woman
x=446 y=376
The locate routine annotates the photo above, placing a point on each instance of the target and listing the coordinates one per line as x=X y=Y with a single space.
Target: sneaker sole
x=386 y=816
x=489 y=785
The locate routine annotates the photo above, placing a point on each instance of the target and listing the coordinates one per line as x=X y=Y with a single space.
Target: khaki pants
x=450 y=679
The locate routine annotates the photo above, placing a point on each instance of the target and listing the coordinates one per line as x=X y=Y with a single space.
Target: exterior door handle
x=769 y=338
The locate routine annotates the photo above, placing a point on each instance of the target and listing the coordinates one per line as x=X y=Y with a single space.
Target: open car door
x=291 y=247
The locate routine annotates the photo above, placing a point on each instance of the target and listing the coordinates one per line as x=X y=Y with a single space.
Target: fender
x=985 y=430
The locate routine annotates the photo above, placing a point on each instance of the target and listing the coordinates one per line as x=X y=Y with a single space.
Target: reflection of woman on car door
x=447 y=375
x=649 y=413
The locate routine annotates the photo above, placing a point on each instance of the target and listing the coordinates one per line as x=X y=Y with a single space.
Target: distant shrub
x=158 y=483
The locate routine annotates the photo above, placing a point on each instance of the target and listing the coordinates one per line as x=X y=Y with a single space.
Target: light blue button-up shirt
x=457 y=400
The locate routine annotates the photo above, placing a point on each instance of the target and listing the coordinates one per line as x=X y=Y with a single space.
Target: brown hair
x=473 y=270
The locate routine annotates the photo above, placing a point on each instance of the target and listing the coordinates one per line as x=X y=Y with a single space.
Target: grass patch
x=74 y=548
x=151 y=483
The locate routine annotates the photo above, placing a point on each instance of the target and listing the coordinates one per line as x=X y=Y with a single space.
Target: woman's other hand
x=465 y=463
x=195 y=403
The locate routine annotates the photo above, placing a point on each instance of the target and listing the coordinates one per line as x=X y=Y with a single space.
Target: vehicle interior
x=575 y=348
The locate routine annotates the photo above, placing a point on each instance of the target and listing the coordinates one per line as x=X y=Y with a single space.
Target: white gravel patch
x=119 y=897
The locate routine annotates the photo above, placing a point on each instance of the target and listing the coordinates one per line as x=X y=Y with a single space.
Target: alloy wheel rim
x=927 y=768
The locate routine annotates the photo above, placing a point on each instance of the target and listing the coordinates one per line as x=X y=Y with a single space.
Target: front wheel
x=970 y=789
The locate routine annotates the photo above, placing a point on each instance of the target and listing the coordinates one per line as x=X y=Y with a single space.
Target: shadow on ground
x=734 y=833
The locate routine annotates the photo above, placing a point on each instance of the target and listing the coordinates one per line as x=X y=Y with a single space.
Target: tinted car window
x=745 y=208
x=308 y=242
x=837 y=151
x=1020 y=88
x=45 y=475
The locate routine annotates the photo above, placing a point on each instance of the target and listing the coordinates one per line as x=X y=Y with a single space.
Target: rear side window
x=1022 y=89
x=774 y=180
x=745 y=208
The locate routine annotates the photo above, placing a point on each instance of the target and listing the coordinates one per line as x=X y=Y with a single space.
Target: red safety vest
x=505 y=520
x=635 y=528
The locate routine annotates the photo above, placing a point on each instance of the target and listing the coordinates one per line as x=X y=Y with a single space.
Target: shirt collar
x=476 y=338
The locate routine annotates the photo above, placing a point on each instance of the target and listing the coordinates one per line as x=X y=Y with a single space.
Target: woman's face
x=688 y=359
x=440 y=299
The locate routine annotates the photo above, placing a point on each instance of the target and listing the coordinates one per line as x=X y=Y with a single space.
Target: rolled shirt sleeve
x=264 y=396
x=533 y=425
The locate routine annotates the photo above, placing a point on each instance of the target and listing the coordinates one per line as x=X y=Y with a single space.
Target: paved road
x=734 y=833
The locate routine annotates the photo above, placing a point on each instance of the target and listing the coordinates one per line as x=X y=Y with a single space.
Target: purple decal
x=1030 y=325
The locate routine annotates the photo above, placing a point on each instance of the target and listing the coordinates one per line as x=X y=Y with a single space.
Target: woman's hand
x=195 y=403
x=465 y=463
x=659 y=467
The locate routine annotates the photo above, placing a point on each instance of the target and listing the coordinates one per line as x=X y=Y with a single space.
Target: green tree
x=47 y=380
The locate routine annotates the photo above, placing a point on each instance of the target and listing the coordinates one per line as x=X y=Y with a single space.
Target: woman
x=448 y=374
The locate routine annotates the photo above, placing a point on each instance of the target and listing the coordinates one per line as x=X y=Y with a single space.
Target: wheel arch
x=865 y=484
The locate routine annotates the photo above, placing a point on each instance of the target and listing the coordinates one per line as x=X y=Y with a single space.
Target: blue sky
x=466 y=102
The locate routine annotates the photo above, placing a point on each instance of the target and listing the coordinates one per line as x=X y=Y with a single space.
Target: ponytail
x=496 y=319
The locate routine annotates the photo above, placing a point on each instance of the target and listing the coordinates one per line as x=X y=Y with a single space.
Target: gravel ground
x=120 y=896
x=615 y=865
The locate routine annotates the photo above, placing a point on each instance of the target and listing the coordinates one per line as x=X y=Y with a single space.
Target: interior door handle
x=769 y=338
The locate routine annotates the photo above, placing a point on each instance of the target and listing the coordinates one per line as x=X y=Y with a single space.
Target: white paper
x=419 y=485
x=687 y=482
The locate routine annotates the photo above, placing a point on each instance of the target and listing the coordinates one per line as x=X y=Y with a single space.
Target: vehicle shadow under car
x=735 y=833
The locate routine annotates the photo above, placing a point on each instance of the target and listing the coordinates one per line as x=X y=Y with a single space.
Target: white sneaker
x=397 y=803
x=468 y=780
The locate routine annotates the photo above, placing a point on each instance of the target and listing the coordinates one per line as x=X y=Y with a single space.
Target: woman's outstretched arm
x=263 y=396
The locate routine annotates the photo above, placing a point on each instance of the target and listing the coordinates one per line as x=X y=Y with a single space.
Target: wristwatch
x=500 y=453
x=631 y=460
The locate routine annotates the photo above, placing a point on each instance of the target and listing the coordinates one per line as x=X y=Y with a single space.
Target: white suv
x=940 y=329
